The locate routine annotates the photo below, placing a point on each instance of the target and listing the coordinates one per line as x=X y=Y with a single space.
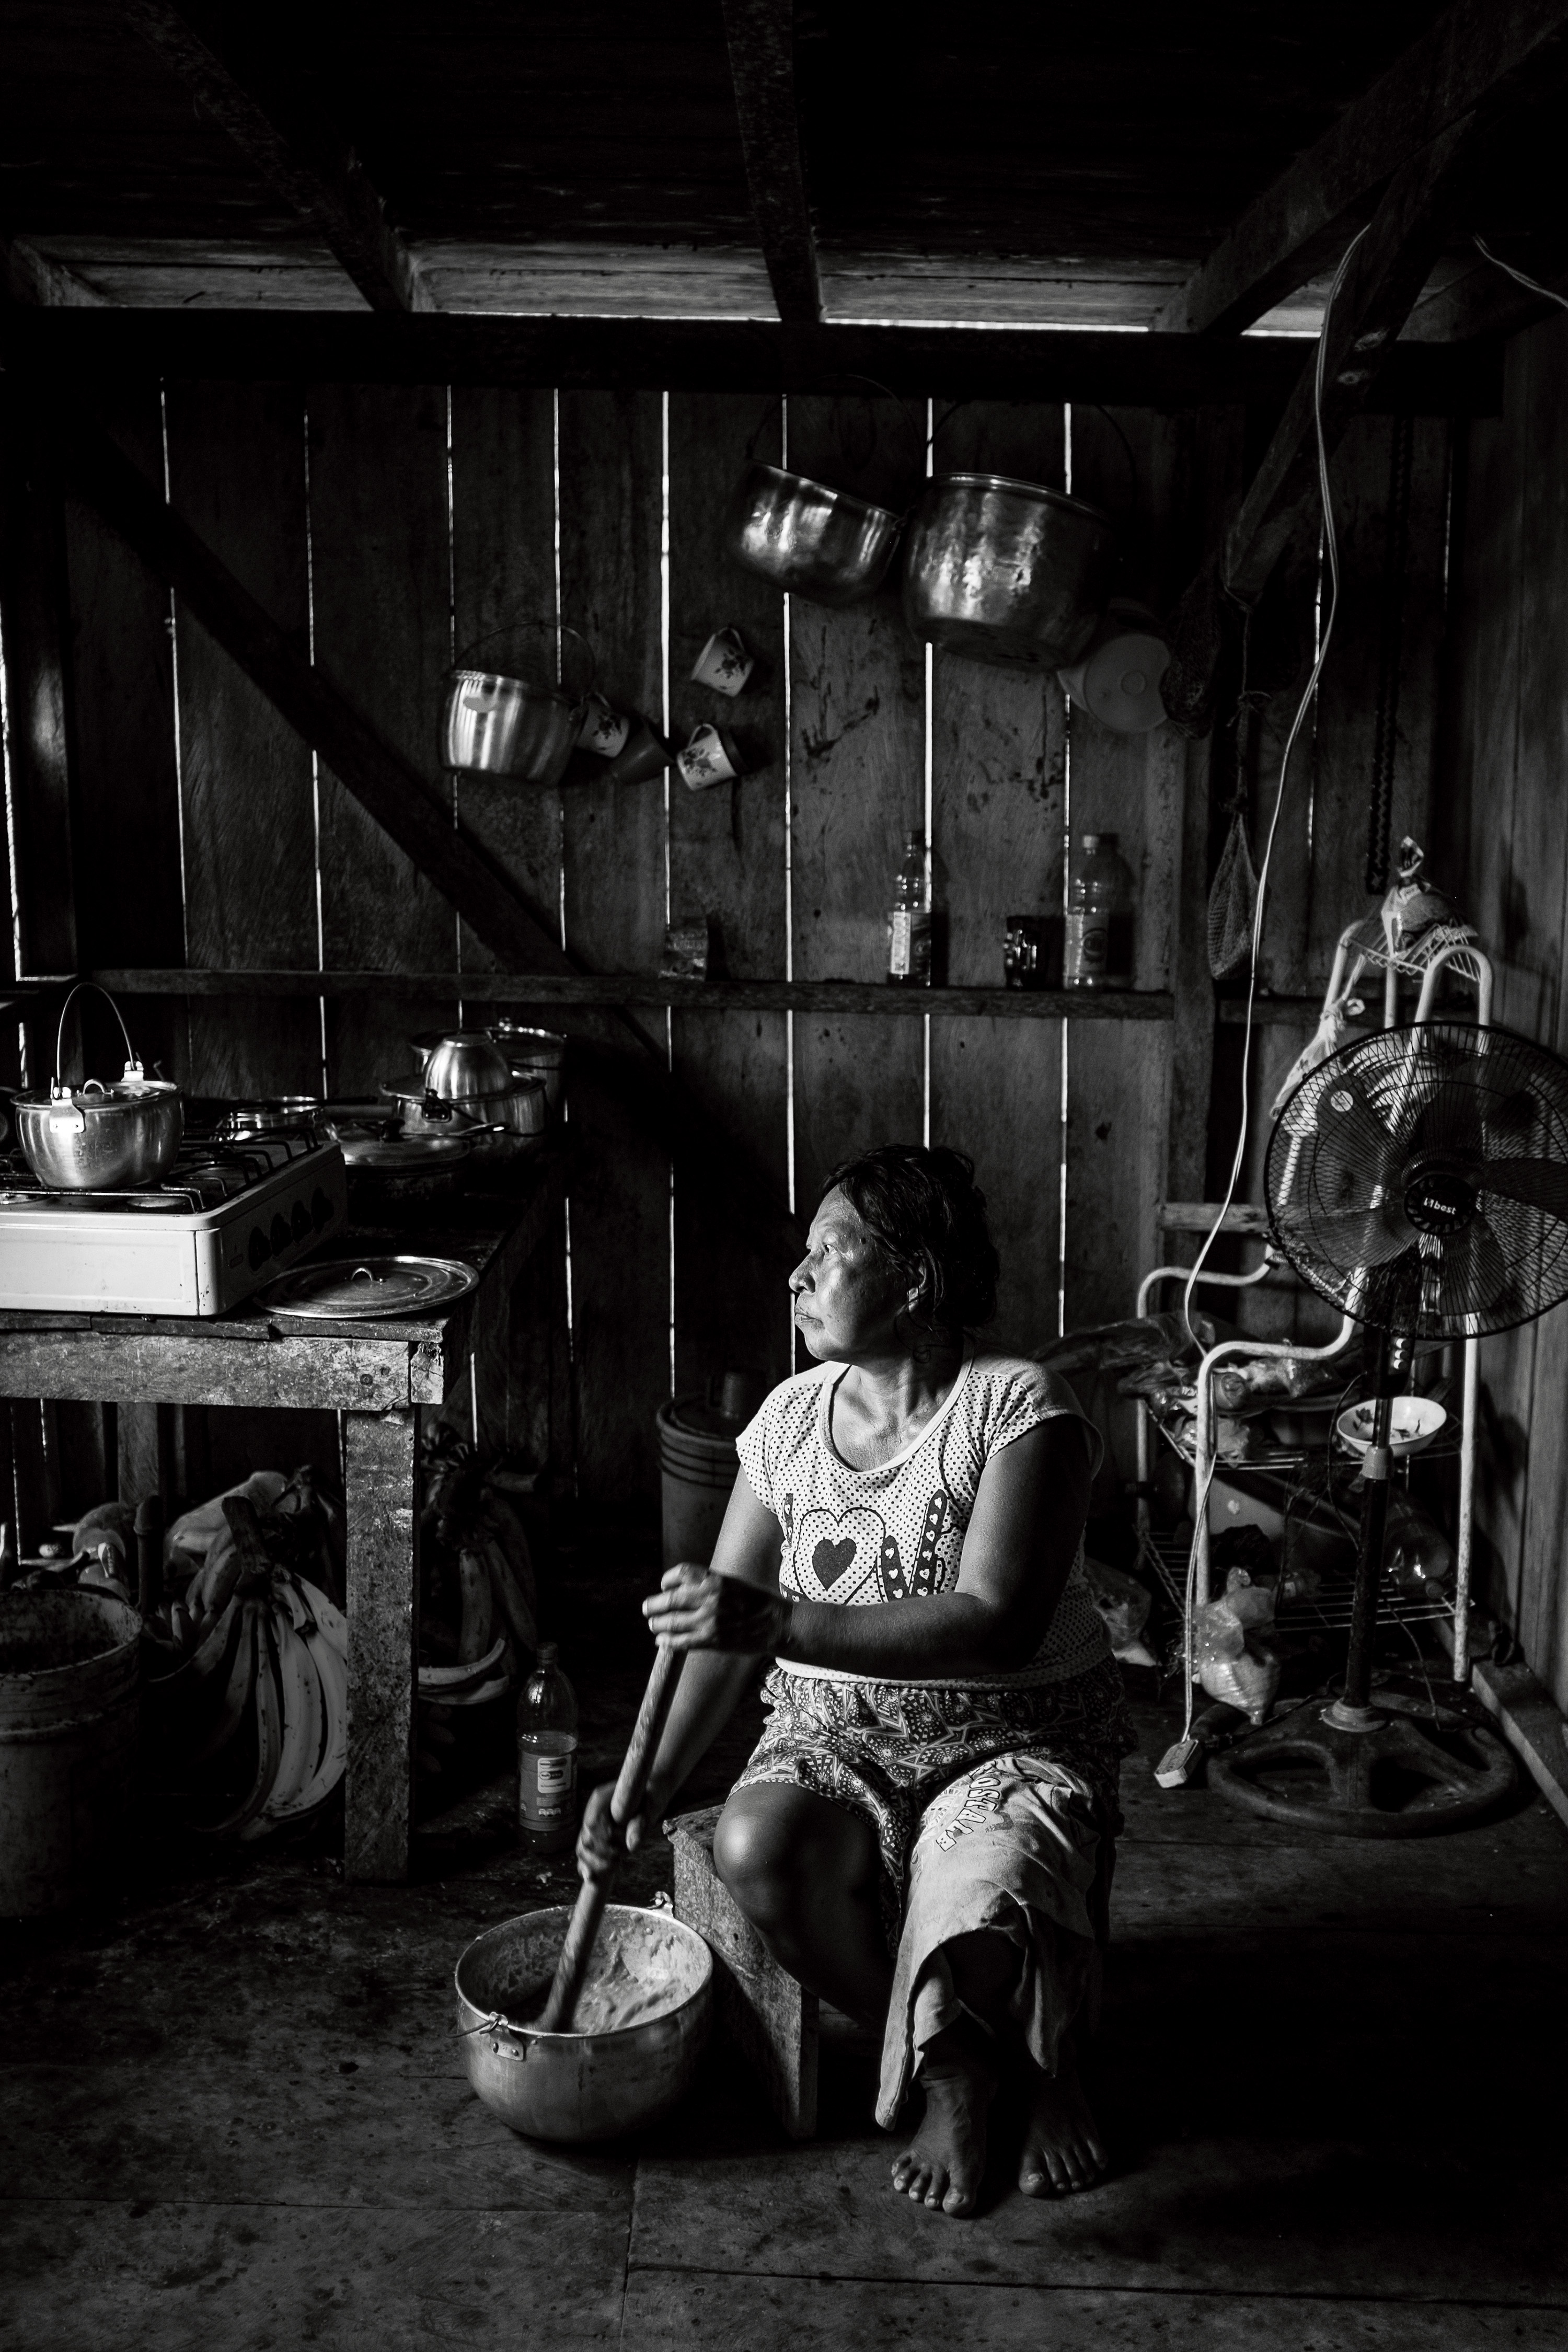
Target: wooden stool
x=768 y=2018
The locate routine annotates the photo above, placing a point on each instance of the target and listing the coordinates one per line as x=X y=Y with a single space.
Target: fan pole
x=1353 y=1711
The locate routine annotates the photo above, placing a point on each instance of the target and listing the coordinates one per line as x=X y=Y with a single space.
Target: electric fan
x=1418 y=1180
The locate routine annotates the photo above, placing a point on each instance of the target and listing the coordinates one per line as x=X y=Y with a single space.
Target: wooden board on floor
x=613 y=858
x=998 y=743
x=382 y=632
x=856 y=789
x=727 y=863
x=237 y=474
x=129 y=900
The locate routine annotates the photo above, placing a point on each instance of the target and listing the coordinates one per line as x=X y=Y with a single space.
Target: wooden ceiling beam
x=304 y=160
x=1478 y=58
x=1169 y=372
x=760 y=37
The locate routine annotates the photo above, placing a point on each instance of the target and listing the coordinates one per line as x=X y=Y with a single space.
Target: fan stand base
x=1374 y=1772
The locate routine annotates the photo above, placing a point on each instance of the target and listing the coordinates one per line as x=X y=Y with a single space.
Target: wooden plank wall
x=1504 y=849
x=399 y=527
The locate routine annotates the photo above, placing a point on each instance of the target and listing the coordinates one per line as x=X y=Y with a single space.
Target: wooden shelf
x=841 y=997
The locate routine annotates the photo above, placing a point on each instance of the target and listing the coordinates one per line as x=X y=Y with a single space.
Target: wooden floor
x=235 y=2117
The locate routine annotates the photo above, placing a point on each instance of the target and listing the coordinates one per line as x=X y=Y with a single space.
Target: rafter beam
x=31 y=277
x=1478 y=58
x=761 y=36
x=304 y=160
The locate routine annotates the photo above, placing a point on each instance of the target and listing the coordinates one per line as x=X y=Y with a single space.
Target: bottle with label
x=910 y=920
x=1099 y=917
x=547 y=1758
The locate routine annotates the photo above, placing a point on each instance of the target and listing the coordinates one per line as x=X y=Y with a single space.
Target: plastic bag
x=1124 y=1604
x=1233 y=903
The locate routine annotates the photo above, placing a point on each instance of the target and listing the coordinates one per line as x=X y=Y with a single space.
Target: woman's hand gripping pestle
x=630 y=1790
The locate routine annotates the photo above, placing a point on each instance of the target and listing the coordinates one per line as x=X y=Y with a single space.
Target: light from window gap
x=453 y=786
x=173 y=626
x=315 y=757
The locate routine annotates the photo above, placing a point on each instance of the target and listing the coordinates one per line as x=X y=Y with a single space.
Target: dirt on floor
x=236 y=2116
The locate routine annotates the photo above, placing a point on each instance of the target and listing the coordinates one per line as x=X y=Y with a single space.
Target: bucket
x=70 y=1669
x=699 y=1464
x=533 y=1054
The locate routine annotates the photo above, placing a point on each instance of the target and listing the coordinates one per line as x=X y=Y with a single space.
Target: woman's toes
x=936 y=2189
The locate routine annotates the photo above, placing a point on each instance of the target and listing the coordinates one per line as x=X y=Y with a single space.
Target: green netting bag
x=1233 y=903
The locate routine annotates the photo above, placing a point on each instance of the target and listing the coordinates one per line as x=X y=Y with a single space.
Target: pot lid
x=92 y=1096
x=348 y=1290
x=400 y=1154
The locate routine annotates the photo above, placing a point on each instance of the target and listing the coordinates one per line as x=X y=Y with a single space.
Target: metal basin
x=1006 y=572
x=800 y=535
x=582 y=2086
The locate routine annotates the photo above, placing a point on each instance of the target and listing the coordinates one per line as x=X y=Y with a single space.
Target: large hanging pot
x=95 y=1138
x=496 y=724
x=1006 y=572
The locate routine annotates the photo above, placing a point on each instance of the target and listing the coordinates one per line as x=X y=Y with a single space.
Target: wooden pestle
x=631 y=1788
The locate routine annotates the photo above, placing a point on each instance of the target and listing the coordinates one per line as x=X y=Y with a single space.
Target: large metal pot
x=818 y=543
x=500 y=726
x=1006 y=572
x=95 y=1138
x=582 y=2086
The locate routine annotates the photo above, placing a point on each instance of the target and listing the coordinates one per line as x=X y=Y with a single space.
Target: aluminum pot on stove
x=99 y=1138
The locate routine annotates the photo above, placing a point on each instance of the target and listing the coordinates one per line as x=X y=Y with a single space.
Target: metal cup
x=709 y=759
x=724 y=664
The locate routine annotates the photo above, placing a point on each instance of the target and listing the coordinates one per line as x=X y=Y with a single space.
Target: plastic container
x=69 y=1687
x=699 y=1466
x=1099 y=951
x=547 y=1758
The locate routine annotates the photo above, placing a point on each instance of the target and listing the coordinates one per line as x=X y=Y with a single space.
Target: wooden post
x=379 y=1472
x=771 y=2019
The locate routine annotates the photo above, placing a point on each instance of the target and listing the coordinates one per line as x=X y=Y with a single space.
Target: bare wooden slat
x=717 y=355
x=236 y=461
x=727 y=863
x=857 y=694
x=314 y=171
x=760 y=36
x=127 y=786
x=612 y=854
x=1477 y=53
x=378 y=532
x=998 y=747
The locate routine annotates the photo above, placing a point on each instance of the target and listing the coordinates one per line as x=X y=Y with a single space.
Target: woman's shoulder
x=794 y=1402
x=1011 y=1394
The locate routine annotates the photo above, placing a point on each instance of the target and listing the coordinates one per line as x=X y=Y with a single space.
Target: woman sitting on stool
x=924 y=1834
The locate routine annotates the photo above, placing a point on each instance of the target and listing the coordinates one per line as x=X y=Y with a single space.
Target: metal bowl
x=581 y=2086
x=465 y=1062
x=1006 y=572
x=99 y=1138
x=818 y=543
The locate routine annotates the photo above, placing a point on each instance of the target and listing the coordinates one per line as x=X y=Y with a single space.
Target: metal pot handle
x=548 y=628
x=132 y=1064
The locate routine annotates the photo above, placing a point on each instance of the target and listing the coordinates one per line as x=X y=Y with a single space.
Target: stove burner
x=204 y=1177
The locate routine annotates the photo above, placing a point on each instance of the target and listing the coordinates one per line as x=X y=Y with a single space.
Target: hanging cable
x=1547 y=293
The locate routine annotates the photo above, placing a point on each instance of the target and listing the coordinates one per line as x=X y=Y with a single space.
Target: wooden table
x=383 y=1378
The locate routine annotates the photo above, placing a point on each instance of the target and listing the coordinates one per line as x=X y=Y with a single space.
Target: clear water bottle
x=1099 y=917
x=547 y=1758
x=910 y=920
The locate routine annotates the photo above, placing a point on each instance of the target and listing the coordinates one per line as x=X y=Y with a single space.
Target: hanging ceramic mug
x=709 y=758
x=724 y=664
x=604 y=731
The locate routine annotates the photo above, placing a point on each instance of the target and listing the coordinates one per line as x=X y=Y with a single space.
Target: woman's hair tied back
x=926 y=1214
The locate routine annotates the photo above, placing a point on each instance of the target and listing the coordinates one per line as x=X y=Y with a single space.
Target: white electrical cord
x=1534 y=283
x=1330 y=544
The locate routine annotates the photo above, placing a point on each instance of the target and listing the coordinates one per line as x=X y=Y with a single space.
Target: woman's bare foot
x=944 y=2162
x=1062 y=2147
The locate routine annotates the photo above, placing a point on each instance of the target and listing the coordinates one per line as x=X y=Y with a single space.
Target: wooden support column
x=761 y=35
x=381 y=1505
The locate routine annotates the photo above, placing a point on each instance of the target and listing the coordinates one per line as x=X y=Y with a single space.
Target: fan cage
x=1437 y=1114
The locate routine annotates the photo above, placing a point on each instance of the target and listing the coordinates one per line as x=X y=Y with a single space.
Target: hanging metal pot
x=496 y=724
x=1006 y=572
x=816 y=543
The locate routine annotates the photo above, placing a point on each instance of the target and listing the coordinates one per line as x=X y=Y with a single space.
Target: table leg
x=379 y=1472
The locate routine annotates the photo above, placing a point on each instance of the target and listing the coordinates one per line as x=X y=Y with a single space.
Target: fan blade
x=1450 y=1120
x=1538 y=1183
x=1474 y=1272
x=1349 y=1238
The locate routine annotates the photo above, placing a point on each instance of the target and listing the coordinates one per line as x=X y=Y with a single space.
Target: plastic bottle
x=909 y=921
x=1099 y=918
x=547 y=1758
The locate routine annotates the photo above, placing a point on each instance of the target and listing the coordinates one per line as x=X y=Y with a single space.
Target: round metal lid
x=347 y=1290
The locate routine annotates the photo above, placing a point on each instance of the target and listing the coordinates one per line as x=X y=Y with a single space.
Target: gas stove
x=225 y=1219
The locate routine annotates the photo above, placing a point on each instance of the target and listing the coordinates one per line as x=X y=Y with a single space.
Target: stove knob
x=300 y=1221
x=321 y=1210
x=261 y=1248
x=281 y=1236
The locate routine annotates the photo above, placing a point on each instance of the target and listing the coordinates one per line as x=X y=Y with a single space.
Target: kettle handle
x=131 y=1061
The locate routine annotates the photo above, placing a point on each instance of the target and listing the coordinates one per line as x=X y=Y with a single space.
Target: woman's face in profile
x=846 y=1301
